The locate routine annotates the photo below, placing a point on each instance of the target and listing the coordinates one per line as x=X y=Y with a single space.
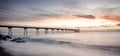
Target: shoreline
x=2 y=50
x=100 y=28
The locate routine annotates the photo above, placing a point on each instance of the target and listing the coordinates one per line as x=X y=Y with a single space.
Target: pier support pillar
x=37 y=31
x=10 y=31
x=66 y=30
x=76 y=30
x=52 y=30
x=46 y=31
x=57 y=30
x=25 y=31
x=62 y=30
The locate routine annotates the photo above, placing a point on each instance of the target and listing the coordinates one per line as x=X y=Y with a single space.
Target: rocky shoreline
x=8 y=38
x=2 y=51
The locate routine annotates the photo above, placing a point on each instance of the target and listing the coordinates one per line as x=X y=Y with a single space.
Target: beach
x=63 y=44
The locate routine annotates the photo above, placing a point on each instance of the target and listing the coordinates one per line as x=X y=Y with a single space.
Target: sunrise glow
x=78 y=13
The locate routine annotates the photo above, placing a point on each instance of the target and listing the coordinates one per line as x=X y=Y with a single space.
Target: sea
x=84 y=43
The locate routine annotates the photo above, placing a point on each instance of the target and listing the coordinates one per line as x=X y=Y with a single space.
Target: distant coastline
x=100 y=29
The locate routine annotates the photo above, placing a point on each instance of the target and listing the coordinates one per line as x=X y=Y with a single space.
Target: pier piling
x=46 y=31
x=25 y=31
x=52 y=30
x=10 y=31
x=37 y=31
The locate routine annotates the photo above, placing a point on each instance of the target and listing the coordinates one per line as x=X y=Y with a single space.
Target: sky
x=67 y=13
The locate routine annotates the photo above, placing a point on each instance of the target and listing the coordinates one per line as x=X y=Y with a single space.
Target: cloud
x=112 y=18
x=85 y=16
x=29 y=10
x=108 y=10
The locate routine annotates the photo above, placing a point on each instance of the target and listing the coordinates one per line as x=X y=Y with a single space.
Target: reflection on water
x=66 y=44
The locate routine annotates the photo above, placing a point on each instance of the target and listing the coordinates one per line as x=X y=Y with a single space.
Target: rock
x=8 y=37
x=0 y=37
x=18 y=40
x=3 y=37
x=63 y=42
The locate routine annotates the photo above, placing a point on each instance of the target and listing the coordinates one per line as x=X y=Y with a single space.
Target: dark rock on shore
x=7 y=37
x=18 y=40
x=4 y=37
x=63 y=42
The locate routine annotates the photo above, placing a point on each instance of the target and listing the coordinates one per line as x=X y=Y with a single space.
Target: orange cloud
x=73 y=17
x=85 y=16
x=112 y=18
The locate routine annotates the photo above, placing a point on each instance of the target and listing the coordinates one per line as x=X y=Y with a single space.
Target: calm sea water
x=64 y=44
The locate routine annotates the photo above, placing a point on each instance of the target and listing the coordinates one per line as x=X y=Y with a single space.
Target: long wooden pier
x=10 y=27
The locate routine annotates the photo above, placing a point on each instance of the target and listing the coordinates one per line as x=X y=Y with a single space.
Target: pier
x=10 y=27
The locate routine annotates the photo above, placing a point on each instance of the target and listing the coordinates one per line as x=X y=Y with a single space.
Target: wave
x=51 y=41
x=24 y=39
